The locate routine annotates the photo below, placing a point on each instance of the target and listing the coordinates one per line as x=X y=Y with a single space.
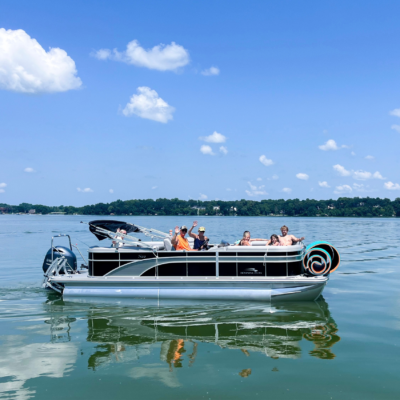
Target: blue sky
x=303 y=97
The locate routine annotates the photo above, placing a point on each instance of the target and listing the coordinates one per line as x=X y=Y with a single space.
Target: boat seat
x=168 y=245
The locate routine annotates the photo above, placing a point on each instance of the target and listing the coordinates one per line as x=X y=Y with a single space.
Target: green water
x=344 y=346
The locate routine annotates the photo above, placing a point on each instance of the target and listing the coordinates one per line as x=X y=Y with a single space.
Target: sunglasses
x=184 y=230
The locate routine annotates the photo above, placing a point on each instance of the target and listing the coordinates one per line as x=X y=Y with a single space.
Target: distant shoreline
x=357 y=207
x=202 y=216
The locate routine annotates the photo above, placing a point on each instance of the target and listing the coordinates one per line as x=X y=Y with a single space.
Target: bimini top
x=107 y=229
x=99 y=226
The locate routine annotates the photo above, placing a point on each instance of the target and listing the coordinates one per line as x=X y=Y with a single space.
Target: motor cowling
x=57 y=252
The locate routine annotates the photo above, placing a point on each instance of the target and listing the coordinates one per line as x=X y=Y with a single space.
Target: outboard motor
x=60 y=251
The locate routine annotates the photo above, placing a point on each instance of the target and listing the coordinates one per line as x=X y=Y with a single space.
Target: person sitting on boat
x=179 y=241
x=274 y=241
x=246 y=240
x=200 y=241
x=119 y=244
x=288 y=240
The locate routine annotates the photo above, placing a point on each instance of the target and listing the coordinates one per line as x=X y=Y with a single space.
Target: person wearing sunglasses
x=200 y=241
x=179 y=241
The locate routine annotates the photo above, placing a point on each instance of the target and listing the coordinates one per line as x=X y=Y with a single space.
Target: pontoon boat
x=155 y=270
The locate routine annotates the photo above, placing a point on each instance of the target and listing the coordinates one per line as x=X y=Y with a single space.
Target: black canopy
x=111 y=226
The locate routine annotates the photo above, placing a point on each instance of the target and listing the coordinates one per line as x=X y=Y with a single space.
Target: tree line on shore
x=342 y=207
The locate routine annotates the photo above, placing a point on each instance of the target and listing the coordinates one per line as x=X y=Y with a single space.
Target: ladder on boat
x=58 y=267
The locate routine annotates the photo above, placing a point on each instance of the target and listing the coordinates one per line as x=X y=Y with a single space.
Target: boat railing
x=52 y=240
x=58 y=265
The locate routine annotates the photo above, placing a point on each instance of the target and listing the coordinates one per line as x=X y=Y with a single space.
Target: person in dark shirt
x=200 y=241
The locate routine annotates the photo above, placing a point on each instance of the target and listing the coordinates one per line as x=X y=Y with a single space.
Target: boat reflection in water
x=125 y=333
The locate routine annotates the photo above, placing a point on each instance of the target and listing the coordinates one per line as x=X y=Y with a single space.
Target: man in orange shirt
x=179 y=241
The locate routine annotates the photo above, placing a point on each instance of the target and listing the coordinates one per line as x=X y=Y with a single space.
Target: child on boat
x=274 y=241
x=246 y=240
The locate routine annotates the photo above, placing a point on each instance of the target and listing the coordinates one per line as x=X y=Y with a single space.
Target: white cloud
x=256 y=191
x=203 y=196
x=302 y=176
x=391 y=186
x=259 y=179
x=343 y=189
x=29 y=169
x=2 y=185
x=287 y=190
x=229 y=190
x=323 y=184
x=102 y=54
x=396 y=128
x=341 y=170
x=369 y=157
x=214 y=138
x=359 y=187
x=210 y=71
x=377 y=175
x=162 y=57
x=329 y=145
x=154 y=187
x=206 y=149
x=111 y=190
x=395 y=112
x=147 y=104
x=352 y=153
x=275 y=177
x=264 y=160
x=358 y=175
x=86 y=190
x=364 y=175
x=27 y=68
x=223 y=150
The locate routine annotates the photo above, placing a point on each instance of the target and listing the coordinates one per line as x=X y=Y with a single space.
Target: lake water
x=344 y=346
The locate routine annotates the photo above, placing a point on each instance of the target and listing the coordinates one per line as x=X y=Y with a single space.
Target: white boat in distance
x=155 y=270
